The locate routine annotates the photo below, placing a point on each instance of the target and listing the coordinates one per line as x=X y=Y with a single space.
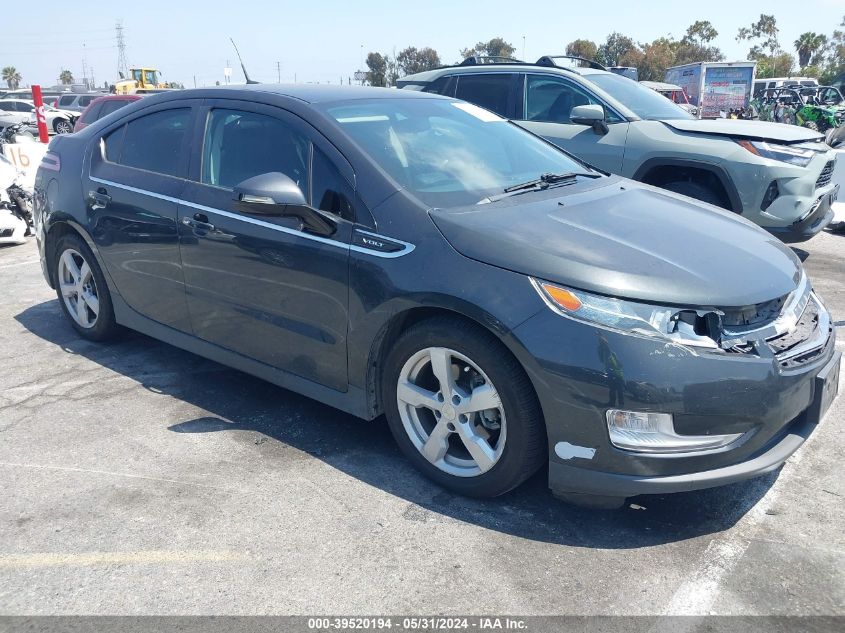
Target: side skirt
x=353 y=401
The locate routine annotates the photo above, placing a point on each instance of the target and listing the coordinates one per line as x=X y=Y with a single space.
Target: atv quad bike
x=818 y=108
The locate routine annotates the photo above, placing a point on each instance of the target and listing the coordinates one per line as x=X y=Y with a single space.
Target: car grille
x=805 y=342
x=826 y=175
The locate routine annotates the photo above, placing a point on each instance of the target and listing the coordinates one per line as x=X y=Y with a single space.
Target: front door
x=261 y=285
x=548 y=103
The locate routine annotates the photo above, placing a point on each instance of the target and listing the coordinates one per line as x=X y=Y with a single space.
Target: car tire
x=695 y=190
x=463 y=452
x=62 y=126
x=82 y=290
x=812 y=125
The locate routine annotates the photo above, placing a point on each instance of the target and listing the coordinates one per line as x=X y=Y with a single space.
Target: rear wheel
x=462 y=409
x=695 y=190
x=82 y=291
x=62 y=126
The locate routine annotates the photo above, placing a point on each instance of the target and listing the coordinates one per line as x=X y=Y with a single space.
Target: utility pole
x=523 y=48
x=195 y=81
x=122 y=65
x=279 y=71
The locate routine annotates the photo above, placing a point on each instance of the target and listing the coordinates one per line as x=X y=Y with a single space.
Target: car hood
x=620 y=238
x=738 y=128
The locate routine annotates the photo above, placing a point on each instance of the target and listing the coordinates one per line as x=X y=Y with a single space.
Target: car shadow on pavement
x=234 y=402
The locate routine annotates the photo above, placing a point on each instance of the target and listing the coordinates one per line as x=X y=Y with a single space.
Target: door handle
x=199 y=221
x=99 y=199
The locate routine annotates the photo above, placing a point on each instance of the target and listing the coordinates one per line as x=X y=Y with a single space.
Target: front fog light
x=655 y=433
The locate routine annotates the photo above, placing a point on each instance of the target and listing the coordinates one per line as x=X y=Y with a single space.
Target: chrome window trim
x=407 y=247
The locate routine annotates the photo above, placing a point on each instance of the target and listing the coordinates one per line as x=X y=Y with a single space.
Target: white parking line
x=697 y=595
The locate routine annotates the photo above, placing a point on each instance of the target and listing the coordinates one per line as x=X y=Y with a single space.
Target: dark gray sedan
x=399 y=253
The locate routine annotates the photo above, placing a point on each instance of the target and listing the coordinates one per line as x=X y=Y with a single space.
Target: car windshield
x=644 y=102
x=448 y=153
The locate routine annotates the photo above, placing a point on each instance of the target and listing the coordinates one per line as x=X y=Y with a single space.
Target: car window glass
x=66 y=100
x=239 y=145
x=153 y=142
x=8 y=107
x=91 y=113
x=552 y=99
x=330 y=190
x=107 y=107
x=84 y=101
x=487 y=90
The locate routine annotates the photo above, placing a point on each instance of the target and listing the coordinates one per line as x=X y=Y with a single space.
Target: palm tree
x=12 y=77
x=66 y=77
x=806 y=45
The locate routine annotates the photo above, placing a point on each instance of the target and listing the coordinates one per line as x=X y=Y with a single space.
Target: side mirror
x=275 y=194
x=591 y=114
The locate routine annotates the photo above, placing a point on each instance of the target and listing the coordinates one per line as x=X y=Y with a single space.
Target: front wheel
x=812 y=125
x=695 y=190
x=462 y=409
x=82 y=291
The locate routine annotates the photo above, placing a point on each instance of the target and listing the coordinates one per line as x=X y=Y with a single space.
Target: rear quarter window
x=490 y=91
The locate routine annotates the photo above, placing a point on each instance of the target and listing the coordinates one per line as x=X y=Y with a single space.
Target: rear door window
x=67 y=100
x=489 y=90
x=112 y=105
x=155 y=142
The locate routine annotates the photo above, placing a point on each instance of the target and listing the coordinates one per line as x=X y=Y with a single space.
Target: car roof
x=117 y=98
x=307 y=93
x=431 y=75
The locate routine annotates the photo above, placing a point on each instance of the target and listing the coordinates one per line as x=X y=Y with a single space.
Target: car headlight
x=800 y=156
x=679 y=325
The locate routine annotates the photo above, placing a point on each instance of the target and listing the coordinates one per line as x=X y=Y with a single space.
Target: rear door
x=549 y=100
x=137 y=172
x=261 y=285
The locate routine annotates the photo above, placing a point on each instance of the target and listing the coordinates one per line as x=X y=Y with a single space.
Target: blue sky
x=321 y=40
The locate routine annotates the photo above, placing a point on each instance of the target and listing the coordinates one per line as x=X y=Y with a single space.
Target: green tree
x=656 y=58
x=497 y=47
x=582 y=48
x=766 y=49
x=377 y=75
x=833 y=58
x=412 y=60
x=695 y=44
x=807 y=45
x=614 y=49
x=66 y=77
x=12 y=77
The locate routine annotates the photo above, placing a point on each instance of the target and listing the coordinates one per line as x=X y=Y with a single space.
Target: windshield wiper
x=545 y=180
x=538 y=184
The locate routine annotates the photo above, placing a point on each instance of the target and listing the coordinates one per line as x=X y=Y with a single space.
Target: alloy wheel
x=63 y=127
x=78 y=288
x=451 y=412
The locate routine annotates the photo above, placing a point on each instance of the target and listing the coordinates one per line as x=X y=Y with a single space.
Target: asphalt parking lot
x=140 y=479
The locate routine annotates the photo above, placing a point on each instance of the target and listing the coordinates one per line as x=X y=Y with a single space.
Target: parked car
x=101 y=107
x=775 y=175
x=58 y=121
x=503 y=304
x=674 y=93
x=26 y=94
x=76 y=102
